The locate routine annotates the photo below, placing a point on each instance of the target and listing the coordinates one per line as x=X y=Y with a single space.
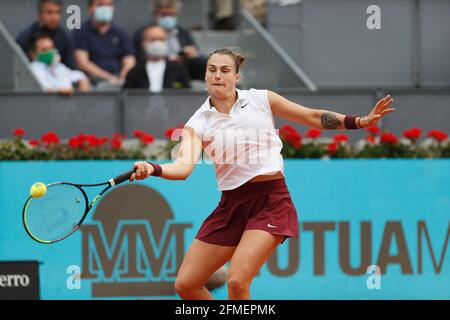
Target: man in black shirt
x=181 y=45
x=156 y=72
x=102 y=49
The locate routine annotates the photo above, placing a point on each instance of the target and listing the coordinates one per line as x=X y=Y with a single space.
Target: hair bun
x=237 y=57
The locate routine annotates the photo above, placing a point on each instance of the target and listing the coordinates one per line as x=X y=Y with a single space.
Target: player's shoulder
x=203 y=107
x=256 y=95
x=200 y=110
x=255 y=90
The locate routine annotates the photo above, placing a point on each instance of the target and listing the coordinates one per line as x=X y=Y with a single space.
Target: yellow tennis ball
x=38 y=190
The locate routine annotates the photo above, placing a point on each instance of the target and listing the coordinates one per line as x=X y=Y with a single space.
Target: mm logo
x=133 y=247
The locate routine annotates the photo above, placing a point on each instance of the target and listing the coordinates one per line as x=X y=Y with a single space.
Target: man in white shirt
x=53 y=75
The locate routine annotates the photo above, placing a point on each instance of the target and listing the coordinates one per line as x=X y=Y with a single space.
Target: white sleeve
x=41 y=76
x=262 y=99
x=74 y=75
x=196 y=123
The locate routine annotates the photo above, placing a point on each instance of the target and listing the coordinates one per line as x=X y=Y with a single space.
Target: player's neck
x=224 y=105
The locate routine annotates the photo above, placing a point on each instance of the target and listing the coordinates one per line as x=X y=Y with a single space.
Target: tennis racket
x=62 y=210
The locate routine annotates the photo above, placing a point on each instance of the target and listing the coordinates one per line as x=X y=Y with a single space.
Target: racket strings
x=57 y=213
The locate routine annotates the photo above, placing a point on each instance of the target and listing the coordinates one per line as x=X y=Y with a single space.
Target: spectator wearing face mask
x=49 y=20
x=157 y=72
x=181 y=45
x=103 y=50
x=53 y=75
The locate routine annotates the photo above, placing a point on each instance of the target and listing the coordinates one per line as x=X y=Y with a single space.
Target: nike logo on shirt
x=270 y=226
x=242 y=107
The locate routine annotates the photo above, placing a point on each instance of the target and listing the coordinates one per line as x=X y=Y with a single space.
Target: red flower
x=94 y=141
x=144 y=137
x=116 y=141
x=18 y=132
x=313 y=133
x=82 y=138
x=50 y=138
x=34 y=142
x=373 y=130
x=83 y=141
x=116 y=144
x=413 y=133
x=75 y=142
x=103 y=140
x=290 y=135
x=147 y=138
x=332 y=147
x=340 y=138
x=287 y=129
x=388 y=137
x=438 y=135
x=371 y=139
x=297 y=144
x=169 y=133
x=138 y=133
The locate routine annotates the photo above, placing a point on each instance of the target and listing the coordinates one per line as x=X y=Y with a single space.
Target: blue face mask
x=104 y=14
x=168 y=22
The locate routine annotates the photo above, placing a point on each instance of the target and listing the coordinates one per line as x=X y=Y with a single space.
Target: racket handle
x=122 y=178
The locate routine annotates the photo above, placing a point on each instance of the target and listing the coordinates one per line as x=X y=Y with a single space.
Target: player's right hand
x=142 y=171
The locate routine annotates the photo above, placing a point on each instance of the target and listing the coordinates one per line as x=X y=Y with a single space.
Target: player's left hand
x=379 y=111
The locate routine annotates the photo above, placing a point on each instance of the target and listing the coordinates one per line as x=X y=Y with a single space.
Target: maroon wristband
x=350 y=122
x=157 y=170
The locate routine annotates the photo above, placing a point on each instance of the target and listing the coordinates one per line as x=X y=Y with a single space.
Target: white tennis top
x=243 y=143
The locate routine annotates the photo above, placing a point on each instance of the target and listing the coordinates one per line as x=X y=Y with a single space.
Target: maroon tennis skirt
x=264 y=205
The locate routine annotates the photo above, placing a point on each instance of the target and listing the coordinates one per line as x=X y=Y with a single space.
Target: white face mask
x=168 y=22
x=156 y=48
x=104 y=14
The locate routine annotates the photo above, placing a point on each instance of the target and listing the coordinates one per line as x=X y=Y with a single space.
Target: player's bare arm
x=325 y=119
x=188 y=155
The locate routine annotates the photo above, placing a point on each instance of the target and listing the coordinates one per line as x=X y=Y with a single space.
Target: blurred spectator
x=103 y=50
x=258 y=8
x=157 y=71
x=182 y=47
x=53 y=75
x=224 y=15
x=49 y=19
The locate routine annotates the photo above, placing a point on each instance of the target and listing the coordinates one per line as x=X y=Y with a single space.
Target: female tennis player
x=255 y=213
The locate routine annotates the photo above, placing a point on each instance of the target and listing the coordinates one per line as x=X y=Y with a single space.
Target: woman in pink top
x=255 y=213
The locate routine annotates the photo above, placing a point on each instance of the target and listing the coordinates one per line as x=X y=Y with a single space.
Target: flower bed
x=377 y=144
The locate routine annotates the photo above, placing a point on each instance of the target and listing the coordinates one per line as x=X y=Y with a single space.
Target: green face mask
x=47 y=57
